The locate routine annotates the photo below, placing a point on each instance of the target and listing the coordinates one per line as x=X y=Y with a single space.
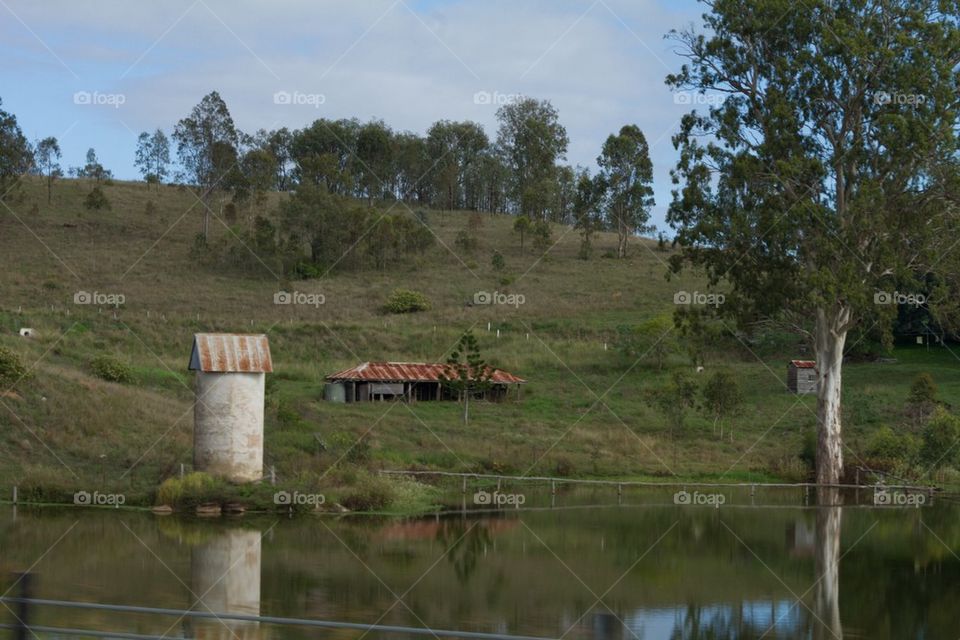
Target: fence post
x=21 y=627
x=463 y=489
x=15 y=500
x=273 y=474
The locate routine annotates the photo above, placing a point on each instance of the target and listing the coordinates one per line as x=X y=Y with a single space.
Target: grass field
x=583 y=411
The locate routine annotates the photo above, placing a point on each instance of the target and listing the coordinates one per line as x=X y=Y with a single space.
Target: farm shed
x=228 y=414
x=802 y=376
x=410 y=381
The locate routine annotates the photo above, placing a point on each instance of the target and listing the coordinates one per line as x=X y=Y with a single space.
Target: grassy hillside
x=583 y=411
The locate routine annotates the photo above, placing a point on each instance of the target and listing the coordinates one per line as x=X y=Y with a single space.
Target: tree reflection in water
x=465 y=542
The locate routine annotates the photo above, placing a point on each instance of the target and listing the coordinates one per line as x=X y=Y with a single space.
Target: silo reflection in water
x=225 y=578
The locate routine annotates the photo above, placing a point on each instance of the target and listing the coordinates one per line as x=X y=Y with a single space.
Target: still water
x=580 y=565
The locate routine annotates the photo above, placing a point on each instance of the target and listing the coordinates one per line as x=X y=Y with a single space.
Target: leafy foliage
x=11 y=369
x=96 y=200
x=111 y=369
x=406 y=301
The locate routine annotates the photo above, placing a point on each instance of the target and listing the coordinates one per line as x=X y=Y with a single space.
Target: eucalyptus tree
x=46 y=160
x=208 y=147
x=153 y=157
x=825 y=172
x=531 y=141
x=627 y=172
x=16 y=157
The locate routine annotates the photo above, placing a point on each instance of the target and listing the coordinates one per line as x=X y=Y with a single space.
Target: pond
x=581 y=564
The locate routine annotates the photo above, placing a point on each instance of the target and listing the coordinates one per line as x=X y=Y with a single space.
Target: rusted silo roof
x=230 y=353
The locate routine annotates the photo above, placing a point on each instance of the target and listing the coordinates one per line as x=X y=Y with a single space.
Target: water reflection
x=856 y=570
x=827 y=589
x=225 y=578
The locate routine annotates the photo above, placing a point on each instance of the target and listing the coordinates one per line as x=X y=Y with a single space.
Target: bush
x=406 y=301
x=184 y=493
x=923 y=390
x=111 y=369
x=372 y=493
x=542 y=236
x=939 y=441
x=497 y=261
x=891 y=451
x=96 y=200
x=11 y=369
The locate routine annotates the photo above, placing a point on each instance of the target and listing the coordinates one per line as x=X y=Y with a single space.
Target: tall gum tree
x=824 y=172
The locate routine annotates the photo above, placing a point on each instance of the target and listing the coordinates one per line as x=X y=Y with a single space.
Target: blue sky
x=410 y=62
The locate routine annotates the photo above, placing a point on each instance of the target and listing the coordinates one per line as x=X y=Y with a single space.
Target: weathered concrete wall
x=225 y=576
x=228 y=425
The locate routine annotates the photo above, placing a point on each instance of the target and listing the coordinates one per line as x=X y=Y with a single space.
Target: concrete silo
x=228 y=413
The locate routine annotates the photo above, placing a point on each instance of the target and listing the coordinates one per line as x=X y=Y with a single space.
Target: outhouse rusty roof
x=410 y=372
x=804 y=364
x=230 y=353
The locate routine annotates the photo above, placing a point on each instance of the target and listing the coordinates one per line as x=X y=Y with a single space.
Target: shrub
x=890 y=450
x=150 y=209
x=96 y=200
x=923 y=389
x=406 y=301
x=193 y=489
x=497 y=261
x=371 y=493
x=11 y=369
x=542 y=235
x=922 y=398
x=110 y=369
x=939 y=441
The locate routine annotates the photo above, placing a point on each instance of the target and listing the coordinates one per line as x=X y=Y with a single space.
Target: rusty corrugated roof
x=230 y=352
x=804 y=364
x=410 y=372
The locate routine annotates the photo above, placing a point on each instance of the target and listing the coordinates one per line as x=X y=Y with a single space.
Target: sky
x=96 y=74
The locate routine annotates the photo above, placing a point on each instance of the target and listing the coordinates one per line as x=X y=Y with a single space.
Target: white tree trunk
x=830 y=337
